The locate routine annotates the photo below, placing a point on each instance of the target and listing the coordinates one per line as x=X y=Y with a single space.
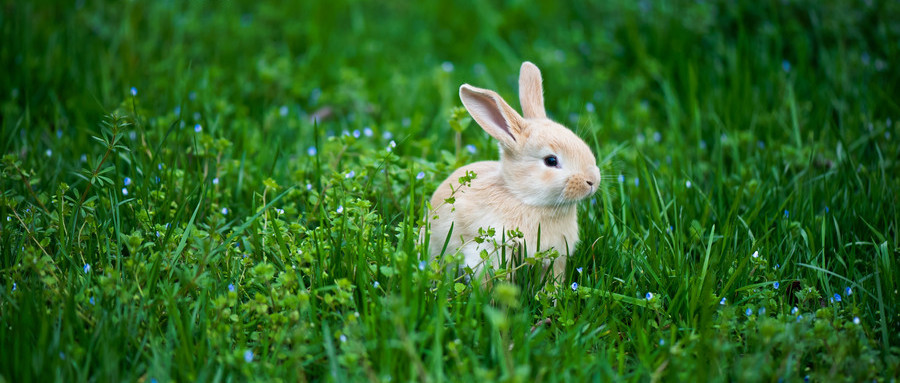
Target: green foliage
x=205 y=191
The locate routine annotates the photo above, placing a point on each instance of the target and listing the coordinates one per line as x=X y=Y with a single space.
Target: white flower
x=755 y=254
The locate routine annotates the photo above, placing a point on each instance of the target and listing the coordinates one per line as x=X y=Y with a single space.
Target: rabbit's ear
x=531 y=92
x=493 y=114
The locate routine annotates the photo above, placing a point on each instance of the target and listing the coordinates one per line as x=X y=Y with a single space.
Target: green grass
x=737 y=127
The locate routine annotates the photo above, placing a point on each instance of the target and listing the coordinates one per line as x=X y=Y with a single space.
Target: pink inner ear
x=488 y=108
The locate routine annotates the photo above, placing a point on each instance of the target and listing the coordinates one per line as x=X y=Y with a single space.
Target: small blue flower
x=283 y=111
x=775 y=285
x=127 y=181
x=14 y=286
x=657 y=137
x=649 y=296
x=762 y=311
x=87 y=268
x=848 y=291
x=343 y=338
x=420 y=176
x=470 y=148
x=722 y=302
x=198 y=128
x=224 y=211
x=703 y=144
x=197 y=116
x=760 y=144
x=83 y=158
x=133 y=91
x=340 y=209
x=59 y=133
x=794 y=310
x=786 y=213
x=248 y=356
x=662 y=342
x=230 y=287
x=447 y=66
x=637 y=181
x=192 y=96
x=755 y=254
x=48 y=152
x=351 y=174
x=375 y=284
x=574 y=286
x=855 y=320
x=826 y=209
x=177 y=110
x=805 y=378
x=308 y=186
x=216 y=181
x=786 y=65
x=589 y=107
x=367 y=131
x=621 y=178
x=749 y=312
x=280 y=211
x=356 y=133
x=837 y=297
x=124 y=191
x=388 y=135
x=688 y=184
x=799 y=317
x=92 y=301
x=422 y=265
x=578 y=270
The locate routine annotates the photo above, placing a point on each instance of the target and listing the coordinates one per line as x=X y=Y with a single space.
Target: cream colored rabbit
x=544 y=170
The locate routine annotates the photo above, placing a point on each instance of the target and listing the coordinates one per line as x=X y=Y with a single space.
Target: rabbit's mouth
x=579 y=187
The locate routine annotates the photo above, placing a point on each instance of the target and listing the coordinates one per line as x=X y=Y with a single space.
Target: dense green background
x=160 y=251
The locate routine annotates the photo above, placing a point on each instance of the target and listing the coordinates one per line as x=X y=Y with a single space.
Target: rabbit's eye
x=551 y=161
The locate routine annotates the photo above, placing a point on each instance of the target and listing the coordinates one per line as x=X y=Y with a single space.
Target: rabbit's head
x=542 y=162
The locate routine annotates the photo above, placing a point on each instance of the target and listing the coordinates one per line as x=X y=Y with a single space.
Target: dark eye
x=551 y=161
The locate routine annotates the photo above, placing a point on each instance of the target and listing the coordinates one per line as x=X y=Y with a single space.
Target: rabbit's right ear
x=531 y=92
x=493 y=114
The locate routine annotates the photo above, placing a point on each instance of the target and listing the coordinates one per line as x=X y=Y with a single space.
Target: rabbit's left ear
x=531 y=92
x=493 y=114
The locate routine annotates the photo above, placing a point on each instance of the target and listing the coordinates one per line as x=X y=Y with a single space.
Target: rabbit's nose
x=590 y=183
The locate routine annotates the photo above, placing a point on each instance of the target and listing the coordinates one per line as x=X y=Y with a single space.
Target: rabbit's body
x=544 y=170
x=496 y=207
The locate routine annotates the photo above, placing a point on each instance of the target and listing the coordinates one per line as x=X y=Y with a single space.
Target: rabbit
x=543 y=172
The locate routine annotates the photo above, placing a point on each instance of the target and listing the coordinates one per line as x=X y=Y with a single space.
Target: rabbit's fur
x=521 y=191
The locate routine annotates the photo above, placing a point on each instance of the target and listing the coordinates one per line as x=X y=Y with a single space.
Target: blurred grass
x=227 y=236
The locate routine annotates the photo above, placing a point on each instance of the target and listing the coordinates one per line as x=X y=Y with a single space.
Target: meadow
x=232 y=191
